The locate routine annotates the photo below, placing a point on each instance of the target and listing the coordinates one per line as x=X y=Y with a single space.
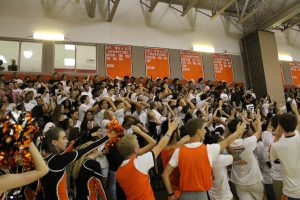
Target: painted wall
x=288 y=43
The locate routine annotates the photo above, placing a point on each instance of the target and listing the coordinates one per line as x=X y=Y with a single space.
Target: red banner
x=118 y=61
x=295 y=73
x=157 y=63
x=282 y=75
x=223 y=68
x=191 y=65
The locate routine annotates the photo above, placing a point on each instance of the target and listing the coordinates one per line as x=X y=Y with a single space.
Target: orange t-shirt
x=174 y=176
x=135 y=184
x=194 y=168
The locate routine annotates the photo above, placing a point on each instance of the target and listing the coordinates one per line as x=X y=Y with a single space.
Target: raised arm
x=258 y=130
x=296 y=112
x=112 y=105
x=10 y=181
x=150 y=141
x=239 y=131
x=126 y=104
x=170 y=110
x=165 y=140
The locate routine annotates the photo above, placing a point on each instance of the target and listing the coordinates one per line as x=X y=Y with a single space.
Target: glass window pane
x=31 y=57
x=85 y=59
x=9 y=50
x=64 y=58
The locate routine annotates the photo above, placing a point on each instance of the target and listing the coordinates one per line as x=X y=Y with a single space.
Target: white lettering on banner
x=151 y=67
x=110 y=65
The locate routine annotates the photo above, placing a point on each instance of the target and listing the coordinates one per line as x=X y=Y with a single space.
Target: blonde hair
x=77 y=164
x=126 y=146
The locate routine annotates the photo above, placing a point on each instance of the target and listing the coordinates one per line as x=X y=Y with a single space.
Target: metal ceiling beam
x=250 y=14
x=216 y=7
x=244 y=8
x=291 y=26
x=218 y=13
x=92 y=8
x=237 y=9
x=189 y=6
x=281 y=17
x=111 y=13
x=153 y=4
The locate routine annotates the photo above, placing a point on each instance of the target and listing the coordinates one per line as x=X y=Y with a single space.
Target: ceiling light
x=48 y=36
x=200 y=48
x=28 y=54
x=285 y=57
x=69 y=61
x=3 y=59
x=69 y=47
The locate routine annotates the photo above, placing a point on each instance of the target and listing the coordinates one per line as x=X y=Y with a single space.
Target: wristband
x=168 y=135
x=171 y=194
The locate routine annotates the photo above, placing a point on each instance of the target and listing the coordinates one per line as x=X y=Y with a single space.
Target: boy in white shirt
x=84 y=107
x=267 y=139
x=287 y=150
x=245 y=172
x=220 y=189
x=122 y=107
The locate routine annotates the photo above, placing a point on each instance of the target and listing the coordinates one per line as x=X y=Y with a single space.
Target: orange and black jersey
x=54 y=183
x=88 y=183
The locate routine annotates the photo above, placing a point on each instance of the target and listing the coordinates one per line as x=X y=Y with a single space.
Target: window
x=9 y=50
x=64 y=60
x=75 y=58
x=31 y=57
x=86 y=59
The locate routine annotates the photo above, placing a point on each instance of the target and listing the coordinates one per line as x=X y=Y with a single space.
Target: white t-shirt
x=142 y=117
x=99 y=116
x=245 y=169
x=200 y=103
x=142 y=163
x=102 y=159
x=82 y=110
x=120 y=114
x=267 y=139
x=158 y=115
x=28 y=106
x=78 y=124
x=220 y=189
x=262 y=158
x=87 y=93
x=265 y=109
x=60 y=99
x=287 y=150
x=213 y=150
x=224 y=96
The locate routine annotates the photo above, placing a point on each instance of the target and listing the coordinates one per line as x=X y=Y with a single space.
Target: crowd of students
x=109 y=139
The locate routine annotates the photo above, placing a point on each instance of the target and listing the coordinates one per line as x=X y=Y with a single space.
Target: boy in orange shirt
x=132 y=175
x=194 y=161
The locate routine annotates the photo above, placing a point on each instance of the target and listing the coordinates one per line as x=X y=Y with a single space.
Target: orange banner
x=157 y=63
x=191 y=65
x=295 y=73
x=223 y=68
x=282 y=75
x=118 y=61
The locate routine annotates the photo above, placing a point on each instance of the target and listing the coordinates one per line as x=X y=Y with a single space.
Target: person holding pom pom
x=10 y=181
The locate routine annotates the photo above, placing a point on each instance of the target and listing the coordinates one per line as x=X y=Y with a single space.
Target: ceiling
x=245 y=15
